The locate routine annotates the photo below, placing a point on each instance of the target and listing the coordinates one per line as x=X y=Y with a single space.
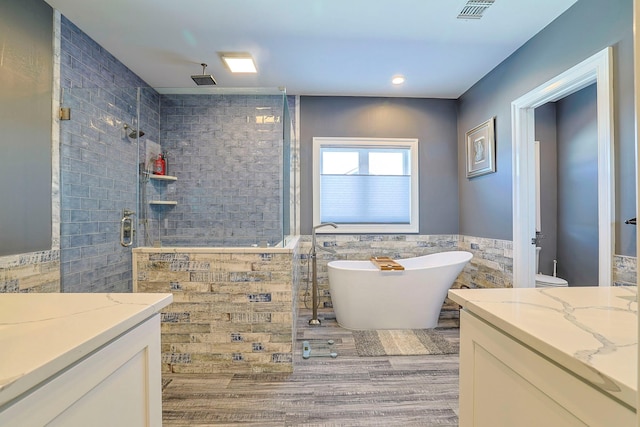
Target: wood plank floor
x=345 y=391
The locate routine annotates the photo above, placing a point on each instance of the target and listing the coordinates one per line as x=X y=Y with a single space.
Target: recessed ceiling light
x=239 y=62
x=397 y=80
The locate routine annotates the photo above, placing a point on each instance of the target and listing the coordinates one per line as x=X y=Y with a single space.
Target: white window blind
x=365 y=184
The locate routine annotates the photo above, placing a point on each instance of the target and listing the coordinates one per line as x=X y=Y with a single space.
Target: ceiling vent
x=474 y=9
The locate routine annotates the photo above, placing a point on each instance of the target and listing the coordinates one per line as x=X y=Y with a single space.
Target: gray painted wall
x=26 y=34
x=567 y=131
x=432 y=121
x=546 y=134
x=486 y=202
x=578 y=188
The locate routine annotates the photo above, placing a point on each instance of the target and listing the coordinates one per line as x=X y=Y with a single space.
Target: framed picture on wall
x=481 y=153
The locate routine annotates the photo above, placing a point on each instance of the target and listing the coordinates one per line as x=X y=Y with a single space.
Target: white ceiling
x=314 y=47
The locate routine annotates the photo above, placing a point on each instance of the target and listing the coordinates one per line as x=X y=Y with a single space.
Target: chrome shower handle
x=126 y=228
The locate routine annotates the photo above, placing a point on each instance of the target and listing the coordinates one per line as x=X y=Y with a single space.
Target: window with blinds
x=366 y=185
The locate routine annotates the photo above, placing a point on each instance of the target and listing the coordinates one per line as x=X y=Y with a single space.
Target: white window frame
x=411 y=143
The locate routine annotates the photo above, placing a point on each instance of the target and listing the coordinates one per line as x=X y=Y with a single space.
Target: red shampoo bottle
x=159 y=167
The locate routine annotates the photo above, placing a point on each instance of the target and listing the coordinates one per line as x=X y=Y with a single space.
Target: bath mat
x=402 y=342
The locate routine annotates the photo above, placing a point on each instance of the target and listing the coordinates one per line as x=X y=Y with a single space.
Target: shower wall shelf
x=163 y=177
x=163 y=202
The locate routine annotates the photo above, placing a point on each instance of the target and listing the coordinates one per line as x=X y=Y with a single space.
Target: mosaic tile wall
x=625 y=270
x=233 y=311
x=490 y=267
x=33 y=272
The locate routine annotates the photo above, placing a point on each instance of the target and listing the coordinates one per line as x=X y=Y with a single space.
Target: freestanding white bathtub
x=365 y=297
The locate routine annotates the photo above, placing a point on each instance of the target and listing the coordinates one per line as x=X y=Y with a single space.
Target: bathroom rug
x=402 y=342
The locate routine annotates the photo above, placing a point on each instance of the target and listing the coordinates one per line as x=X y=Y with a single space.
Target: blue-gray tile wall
x=226 y=151
x=98 y=162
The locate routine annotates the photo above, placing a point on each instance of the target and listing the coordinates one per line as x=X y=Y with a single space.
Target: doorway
x=568 y=203
x=596 y=69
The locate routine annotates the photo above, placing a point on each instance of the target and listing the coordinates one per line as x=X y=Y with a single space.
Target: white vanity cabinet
x=88 y=360
x=547 y=357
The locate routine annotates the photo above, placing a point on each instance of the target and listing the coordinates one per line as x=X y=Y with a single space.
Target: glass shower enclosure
x=230 y=162
x=231 y=168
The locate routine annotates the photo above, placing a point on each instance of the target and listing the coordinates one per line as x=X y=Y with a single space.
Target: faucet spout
x=324 y=224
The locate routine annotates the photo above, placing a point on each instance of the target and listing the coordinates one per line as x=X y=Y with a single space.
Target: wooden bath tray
x=385 y=263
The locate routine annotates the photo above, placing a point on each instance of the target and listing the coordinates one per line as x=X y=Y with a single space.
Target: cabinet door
x=118 y=385
x=504 y=398
x=504 y=383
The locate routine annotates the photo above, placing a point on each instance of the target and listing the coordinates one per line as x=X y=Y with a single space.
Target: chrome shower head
x=133 y=133
x=204 y=79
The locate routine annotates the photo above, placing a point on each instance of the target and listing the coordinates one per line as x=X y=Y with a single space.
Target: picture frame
x=480 y=148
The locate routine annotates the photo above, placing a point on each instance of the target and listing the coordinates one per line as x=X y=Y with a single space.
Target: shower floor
x=348 y=390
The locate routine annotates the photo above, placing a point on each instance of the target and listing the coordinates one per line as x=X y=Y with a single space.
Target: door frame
x=596 y=69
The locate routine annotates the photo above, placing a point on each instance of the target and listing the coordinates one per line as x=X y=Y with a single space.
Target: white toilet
x=544 y=281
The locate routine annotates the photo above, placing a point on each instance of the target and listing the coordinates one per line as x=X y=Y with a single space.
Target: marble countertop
x=591 y=331
x=41 y=334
